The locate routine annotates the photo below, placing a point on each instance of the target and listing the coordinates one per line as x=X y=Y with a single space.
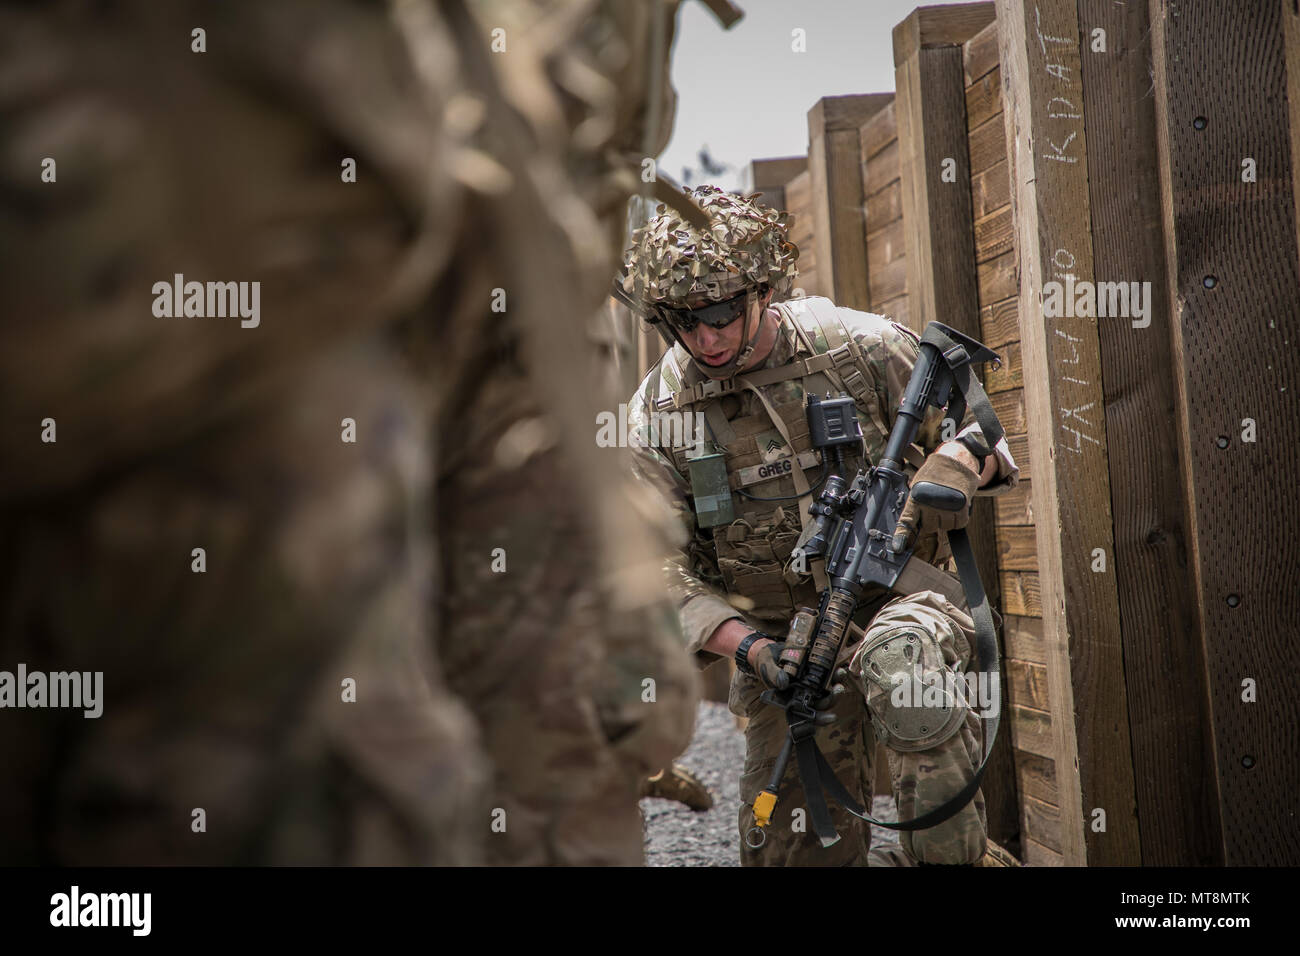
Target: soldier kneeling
x=742 y=359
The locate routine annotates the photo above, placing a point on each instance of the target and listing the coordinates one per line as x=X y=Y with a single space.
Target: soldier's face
x=717 y=347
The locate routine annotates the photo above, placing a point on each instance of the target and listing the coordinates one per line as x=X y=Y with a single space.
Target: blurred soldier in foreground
x=360 y=585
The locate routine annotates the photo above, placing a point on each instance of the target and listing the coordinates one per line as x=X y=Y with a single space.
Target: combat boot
x=678 y=783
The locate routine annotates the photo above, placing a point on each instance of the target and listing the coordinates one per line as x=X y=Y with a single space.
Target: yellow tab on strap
x=764 y=804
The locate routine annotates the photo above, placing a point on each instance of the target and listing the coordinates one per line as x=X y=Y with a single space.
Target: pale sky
x=745 y=93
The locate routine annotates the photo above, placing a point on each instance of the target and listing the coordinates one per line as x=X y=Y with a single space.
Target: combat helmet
x=745 y=251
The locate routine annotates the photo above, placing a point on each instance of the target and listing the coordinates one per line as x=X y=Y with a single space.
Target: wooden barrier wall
x=1128 y=616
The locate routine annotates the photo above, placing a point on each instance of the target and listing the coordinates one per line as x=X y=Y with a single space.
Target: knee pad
x=916 y=700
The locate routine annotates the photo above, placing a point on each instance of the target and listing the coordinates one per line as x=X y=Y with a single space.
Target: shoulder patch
x=828 y=324
x=811 y=314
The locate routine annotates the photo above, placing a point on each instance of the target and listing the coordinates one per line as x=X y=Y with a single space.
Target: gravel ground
x=678 y=836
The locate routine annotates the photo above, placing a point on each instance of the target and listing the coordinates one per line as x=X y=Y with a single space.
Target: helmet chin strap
x=736 y=364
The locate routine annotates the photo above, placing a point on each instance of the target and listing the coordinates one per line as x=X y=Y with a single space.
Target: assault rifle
x=853 y=528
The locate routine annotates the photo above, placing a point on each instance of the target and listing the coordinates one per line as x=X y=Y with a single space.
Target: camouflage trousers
x=921 y=780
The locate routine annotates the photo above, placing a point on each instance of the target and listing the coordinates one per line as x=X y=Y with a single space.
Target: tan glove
x=945 y=477
x=768 y=666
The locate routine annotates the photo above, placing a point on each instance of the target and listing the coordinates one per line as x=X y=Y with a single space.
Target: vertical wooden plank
x=879 y=131
x=931 y=114
x=769 y=177
x=834 y=155
x=1038 y=855
x=930 y=111
x=1291 y=43
x=980 y=54
x=1164 y=664
x=1037 y=777
x=1220 y=90
x=798 y=199
x=1042 y=110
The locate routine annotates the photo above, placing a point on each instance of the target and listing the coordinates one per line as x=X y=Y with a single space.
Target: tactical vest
x=753 y=551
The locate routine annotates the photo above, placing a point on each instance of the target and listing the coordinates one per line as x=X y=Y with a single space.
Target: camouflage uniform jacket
x=741 y=570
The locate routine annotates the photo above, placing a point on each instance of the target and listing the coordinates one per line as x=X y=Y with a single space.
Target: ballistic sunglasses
x=716 y=315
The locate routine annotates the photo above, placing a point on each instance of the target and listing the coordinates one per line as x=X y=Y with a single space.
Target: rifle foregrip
x=830 y=636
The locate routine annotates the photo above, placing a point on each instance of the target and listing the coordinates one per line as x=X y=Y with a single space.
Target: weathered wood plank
x=929 y=123
x=1035 y=854
x=980 y=53
x=1037 y=777
x=983 y=99
x=886 y=245
x=1020 y=594
x=884 y=208
x=881 y=169
x=798 y=203
x=1039 y=64
x=988 y=144
x=834 y=158
x=878 y=132
x=1042 y=823
x=1000 y=323
x=1163 y=654
x=798 y=197
x=997 y=279
x=890 y=281
x=994 y=235
x=1015 y=506
x=990 y=188
x=1236 y=358
x=1010 y=409
x=1016 y=548
x=1031 y=731
x=1009 y=374
x=1291 y=43
x=1024 y=638
x=1027 y=684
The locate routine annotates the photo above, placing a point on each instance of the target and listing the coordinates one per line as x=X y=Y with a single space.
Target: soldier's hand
x=766 y=662
x=825 y=704
x=947 y=481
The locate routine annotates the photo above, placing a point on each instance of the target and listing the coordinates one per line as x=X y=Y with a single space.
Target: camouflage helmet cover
x=747 y=245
